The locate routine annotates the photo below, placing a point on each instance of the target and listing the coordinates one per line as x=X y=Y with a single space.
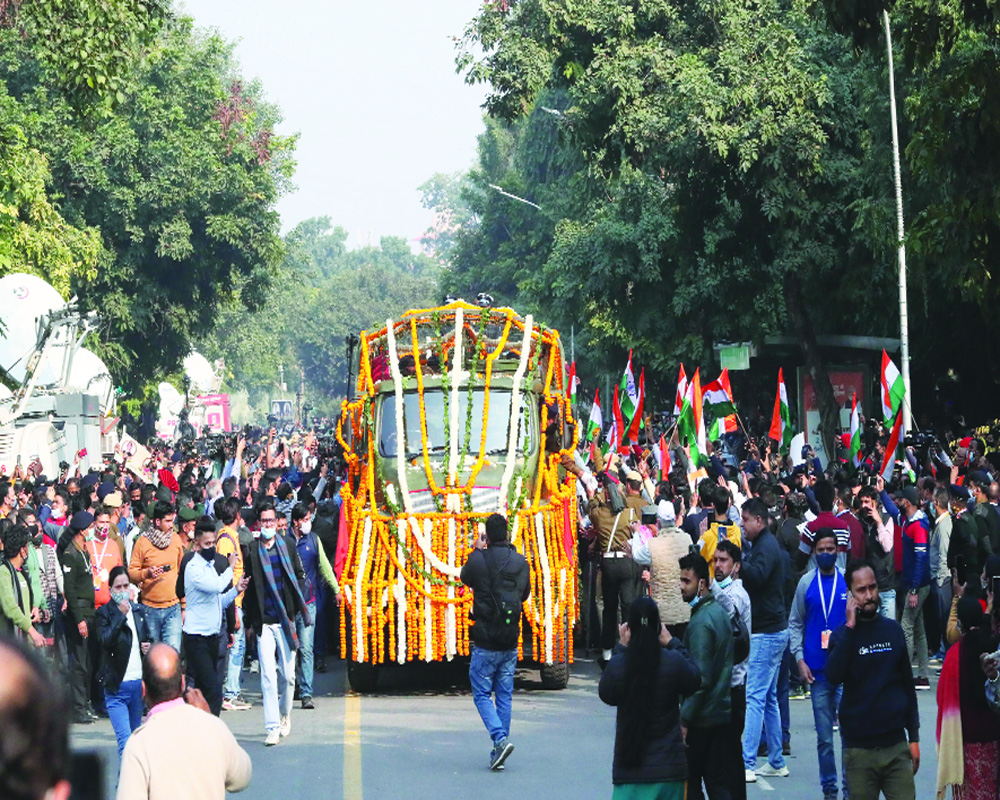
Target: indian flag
x=596 y=421
x=718 y=396
x=781 y=420
x=892 y=389
x=573 y=383
x=889 y=460
x=721 y=425
x=855 y=449
x=635 y=425
x=682 y=383
x=628 y=394
x=618 y=425
x=691 y=423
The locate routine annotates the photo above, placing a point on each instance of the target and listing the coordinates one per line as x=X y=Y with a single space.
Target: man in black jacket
x=78 y=593
x=498 y=577
x=868 y=656
x=763 y=574
x=272 y=599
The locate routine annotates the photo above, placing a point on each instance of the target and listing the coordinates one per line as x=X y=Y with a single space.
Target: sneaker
x=798 y=694
x=500 y=753
x=922 y=683
x=273 y=737
x=254 y=666
x=236 y=704
x=767 y=771
x=751 y=776
x=307 y=702
x=286 y=725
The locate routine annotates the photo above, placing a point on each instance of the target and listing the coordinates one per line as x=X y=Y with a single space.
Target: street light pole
x=904 y=324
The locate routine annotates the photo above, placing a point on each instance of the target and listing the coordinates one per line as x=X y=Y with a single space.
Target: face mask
x=268 y=533
x=825 y=561
x=725 y=582
x=89 y=537
x=307 y=526
x=694 y=602
x=119 y=597
x=208 y=553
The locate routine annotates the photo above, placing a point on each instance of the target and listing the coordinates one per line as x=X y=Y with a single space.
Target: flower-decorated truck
x=460 y=412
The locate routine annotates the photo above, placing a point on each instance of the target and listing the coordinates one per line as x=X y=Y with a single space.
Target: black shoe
x=921 y=683
x=786 y=749
x=500 y=753
x=83 y=719
x=296 y=695
x=307 y=702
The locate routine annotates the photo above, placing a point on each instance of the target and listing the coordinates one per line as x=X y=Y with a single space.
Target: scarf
x=950 y=762
x=286 y=564
x=18 y=633
x=160 y=539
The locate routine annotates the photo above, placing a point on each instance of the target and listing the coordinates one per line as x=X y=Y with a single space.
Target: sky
x=371 y=89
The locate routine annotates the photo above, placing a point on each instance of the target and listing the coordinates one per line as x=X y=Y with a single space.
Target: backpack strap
x=614 y=528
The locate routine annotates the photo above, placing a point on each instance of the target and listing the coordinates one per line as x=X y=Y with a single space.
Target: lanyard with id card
x=824 y=636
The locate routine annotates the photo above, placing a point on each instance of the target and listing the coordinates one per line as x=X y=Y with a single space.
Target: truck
x=459 y=412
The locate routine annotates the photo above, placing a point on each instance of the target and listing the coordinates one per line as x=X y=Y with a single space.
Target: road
x=419 y=737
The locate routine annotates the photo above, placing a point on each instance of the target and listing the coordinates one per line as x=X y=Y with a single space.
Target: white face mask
x=307 y=526
x=268 y=533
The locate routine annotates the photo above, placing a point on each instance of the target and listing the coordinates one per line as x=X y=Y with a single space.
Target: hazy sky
x=372 y=90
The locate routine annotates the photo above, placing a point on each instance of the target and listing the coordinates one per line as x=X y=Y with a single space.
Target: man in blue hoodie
x=819 y=608
x=916 y=577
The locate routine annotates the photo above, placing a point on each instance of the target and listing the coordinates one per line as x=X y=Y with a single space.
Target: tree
x=180 y=178
x=732 y=150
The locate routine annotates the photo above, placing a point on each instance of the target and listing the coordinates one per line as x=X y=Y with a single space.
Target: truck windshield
x=434 y=412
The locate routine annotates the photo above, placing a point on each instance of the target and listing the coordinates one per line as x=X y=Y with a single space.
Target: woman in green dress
x=645 y=678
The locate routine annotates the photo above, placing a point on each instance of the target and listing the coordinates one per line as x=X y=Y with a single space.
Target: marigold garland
x=403 y=607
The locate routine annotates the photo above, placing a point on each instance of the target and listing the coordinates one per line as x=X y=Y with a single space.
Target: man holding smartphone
x=156 y=559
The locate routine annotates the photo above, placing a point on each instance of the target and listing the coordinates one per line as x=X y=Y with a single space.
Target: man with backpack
x=498 y=577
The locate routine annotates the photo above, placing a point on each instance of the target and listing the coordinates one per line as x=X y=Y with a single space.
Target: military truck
x=459 y=412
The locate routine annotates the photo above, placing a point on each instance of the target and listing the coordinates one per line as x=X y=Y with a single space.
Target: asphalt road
x=419 y=736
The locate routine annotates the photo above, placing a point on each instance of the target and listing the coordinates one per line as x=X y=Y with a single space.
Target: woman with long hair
x=645 y=678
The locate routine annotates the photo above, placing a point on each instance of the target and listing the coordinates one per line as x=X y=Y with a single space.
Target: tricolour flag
x=892 y=389
x=691 y=423
x=596 y=421
x=618 y=426
x=717 y=396
x=573 y=383
x=889 y=461
x=664 y=458
x=781 y=420
x=636 y=424
x=682 y=385
x=721 y=425
x=855 y=448
x=628 y=394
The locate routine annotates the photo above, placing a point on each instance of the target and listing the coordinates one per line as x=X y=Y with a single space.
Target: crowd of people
x=848 y=590
x=217 y=563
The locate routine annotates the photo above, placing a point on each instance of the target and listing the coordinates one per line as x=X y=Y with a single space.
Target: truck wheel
x=362 y=677
x=555 y=676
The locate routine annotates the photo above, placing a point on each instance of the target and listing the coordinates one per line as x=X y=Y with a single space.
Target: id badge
x=824 y=639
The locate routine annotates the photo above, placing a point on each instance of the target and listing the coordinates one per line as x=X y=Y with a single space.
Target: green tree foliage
x=731 y=144
x=180 y=177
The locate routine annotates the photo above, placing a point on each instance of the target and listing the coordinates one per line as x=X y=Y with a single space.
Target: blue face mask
x=725 y=582
x=826 y=561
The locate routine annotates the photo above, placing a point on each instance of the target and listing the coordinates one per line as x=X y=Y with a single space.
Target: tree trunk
x=829 y=411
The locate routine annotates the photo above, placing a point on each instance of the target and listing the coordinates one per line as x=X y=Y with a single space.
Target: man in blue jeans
x=819 y=608
x=763 y=573
x=498 y=577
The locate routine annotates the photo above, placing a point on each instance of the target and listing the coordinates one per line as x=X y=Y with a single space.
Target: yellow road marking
x=352 y=746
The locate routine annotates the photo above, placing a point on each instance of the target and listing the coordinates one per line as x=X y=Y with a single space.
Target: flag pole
x=904 y=325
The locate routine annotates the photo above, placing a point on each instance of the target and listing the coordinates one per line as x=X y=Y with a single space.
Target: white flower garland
x=360 y=611
x=456 y=378
x=515 y=415
x=543 y=558
x=397 y=383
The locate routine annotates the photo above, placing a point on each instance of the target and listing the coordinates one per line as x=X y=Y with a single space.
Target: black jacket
x=115 y=638
x=291 y=585
x=663 y=757
x=763 y=574
x=78 y=580
x=512 y=570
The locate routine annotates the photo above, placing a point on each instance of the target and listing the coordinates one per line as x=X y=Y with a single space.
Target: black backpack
x=741 y=638
x=504 y=625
